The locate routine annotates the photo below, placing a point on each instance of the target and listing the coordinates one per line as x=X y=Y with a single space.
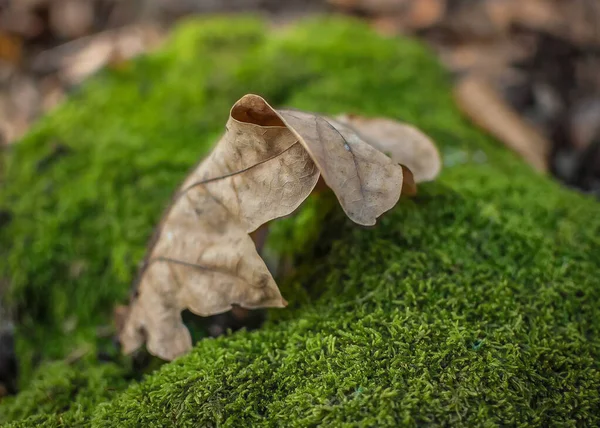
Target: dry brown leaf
x=409 y=186
x=391 y=17
x=494 y=59
x=11 y=49
x=78 y=59
x=542 y=15
x=71 y=18
x=202 y=257
x=482 y=103
x=584 y=123
x=404 y=143
x=372 y=6
x=364 y=180
x=425 y=13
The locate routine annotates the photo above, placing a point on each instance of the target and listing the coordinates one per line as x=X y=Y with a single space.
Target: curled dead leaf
x=409 y=186
x=202 y=257
x=404 y=143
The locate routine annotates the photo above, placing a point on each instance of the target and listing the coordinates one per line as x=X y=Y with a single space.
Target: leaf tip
x=409 y=187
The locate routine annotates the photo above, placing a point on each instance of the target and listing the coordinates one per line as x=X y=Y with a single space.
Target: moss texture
x=475 y=303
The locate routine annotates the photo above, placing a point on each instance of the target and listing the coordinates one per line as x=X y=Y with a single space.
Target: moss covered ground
x=475 y=303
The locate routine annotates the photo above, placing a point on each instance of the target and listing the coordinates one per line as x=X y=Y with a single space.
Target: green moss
x=58 y=387
x=475 y=303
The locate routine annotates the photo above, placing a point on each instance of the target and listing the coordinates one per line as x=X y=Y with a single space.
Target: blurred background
x=528 y=71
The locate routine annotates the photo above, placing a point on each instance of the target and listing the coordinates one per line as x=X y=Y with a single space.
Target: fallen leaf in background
x=10 y=48
x=71 y=18
x=75 y=61
x=492 y=58
x=372 y=6
x=396 y=16
x=585 y=122
x=541 y=15
x=425 y=13
x=484 y=106
x=202 y=257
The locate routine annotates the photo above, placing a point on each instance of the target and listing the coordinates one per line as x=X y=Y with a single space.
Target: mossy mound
x=475 y=303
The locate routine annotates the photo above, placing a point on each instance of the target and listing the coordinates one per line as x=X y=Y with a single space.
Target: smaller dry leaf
x=404 y=143
x=202 y=257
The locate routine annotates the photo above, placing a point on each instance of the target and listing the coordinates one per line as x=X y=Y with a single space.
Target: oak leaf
x=404 y=143
x=268 y=161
